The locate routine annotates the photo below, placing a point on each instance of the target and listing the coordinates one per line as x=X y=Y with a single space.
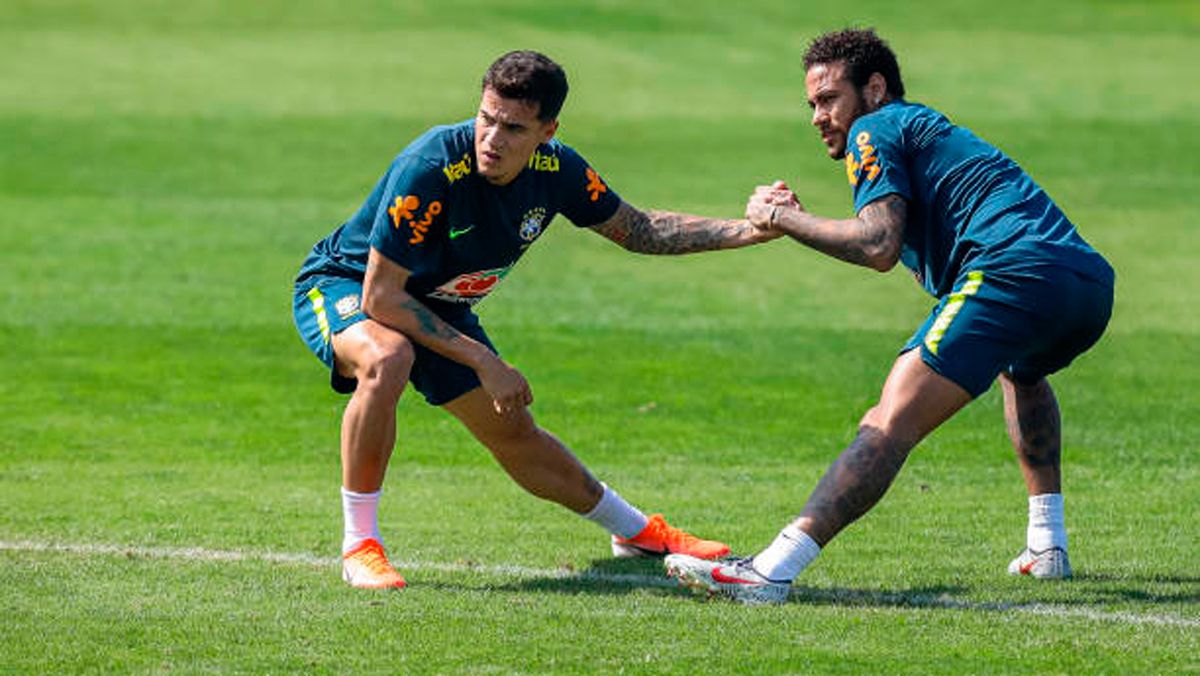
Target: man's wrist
x=479 y=357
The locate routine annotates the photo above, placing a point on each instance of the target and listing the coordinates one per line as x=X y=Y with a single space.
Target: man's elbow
x=369 y=303
x=883 y=259
x=373 y=298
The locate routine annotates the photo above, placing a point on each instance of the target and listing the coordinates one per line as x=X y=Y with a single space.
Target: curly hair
x=862 y=51
x=529 y=76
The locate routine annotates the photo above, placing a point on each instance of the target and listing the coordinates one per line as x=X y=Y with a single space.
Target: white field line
x=852 y=598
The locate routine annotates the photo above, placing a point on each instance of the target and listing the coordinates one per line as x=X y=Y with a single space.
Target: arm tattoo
x=881 y=228
x=872 y=240
x=429 y=323
x=666 y=232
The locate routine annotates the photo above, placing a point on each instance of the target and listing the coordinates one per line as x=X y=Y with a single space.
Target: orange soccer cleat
x=659 y=538
x=366 y=567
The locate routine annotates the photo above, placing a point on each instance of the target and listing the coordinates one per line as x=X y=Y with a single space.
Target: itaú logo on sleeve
x=471 y=287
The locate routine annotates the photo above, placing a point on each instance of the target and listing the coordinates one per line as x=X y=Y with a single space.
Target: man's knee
x=515 y=430
x=1023 y=382
x=381 y=361
x=388 y=363
x=1035 y=392
x=882 y=422
x=888 y=431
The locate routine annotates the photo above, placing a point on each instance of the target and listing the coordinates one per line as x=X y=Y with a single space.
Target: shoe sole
x=697 y=583
x=630 y=551
x=689 y=581
x=709 y=593
x=356 y=585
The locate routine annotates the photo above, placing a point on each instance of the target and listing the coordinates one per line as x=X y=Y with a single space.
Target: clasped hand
x=768 y=202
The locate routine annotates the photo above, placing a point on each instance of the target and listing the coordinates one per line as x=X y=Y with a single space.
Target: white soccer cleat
x=1048 y=564
x=736 y=580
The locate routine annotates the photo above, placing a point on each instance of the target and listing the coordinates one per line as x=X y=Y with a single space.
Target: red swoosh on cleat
x=1027 y=568
x=718 y=576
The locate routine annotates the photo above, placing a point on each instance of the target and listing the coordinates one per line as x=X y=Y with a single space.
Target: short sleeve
x=875 y=162
x=586 y=198
x=412 y=206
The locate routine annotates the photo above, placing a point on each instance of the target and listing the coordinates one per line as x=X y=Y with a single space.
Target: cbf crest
x=531 y=223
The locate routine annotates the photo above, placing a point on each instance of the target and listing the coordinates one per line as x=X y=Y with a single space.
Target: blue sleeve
x=586 y=198
x=875 y=161
x=412 y=206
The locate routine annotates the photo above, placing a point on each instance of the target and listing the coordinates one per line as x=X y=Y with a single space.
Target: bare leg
x=1035 y=429
x=381 y=360
x=915 y=400
x=533 y=457
x=852 y=485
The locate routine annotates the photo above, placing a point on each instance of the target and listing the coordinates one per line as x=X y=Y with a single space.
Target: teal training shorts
x=323 y=307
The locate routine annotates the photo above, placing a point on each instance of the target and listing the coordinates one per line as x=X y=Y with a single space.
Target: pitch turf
x=168 y=468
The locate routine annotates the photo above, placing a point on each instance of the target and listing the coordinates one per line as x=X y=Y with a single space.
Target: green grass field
x=169 y=467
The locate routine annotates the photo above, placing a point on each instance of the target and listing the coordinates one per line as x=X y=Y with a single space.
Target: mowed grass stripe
x=803 y=594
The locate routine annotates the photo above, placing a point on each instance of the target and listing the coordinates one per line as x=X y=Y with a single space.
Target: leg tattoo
x=852 y=484
x=1035 y=429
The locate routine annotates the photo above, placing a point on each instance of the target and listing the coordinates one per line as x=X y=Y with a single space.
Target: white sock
x=360 y=512
x=1046 y=525
x=617 y=516
x=790 y=553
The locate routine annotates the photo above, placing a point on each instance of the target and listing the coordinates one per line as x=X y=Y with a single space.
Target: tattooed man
x=385 y=300
x=1019 y=295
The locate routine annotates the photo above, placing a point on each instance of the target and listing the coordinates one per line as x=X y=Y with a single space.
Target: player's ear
x=549 y=129
x=876 y=90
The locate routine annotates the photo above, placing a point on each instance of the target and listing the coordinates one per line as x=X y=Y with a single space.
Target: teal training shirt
x=970 y=207
x=456 y=233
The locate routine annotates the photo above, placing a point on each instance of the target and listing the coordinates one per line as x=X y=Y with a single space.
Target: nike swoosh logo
x=718 y=576
x=1028 y=568
x=457 y=233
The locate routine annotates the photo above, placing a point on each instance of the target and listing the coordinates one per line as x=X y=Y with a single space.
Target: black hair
x=862 y=51
x=529 y=76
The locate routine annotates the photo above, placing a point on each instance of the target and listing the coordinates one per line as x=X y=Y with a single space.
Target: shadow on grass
x=1151 y=578
x=626 y=576
x=1099 y=588
x=602 y=576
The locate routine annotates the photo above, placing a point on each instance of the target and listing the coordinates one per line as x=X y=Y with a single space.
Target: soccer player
x=1019 y=295
x=385 y=300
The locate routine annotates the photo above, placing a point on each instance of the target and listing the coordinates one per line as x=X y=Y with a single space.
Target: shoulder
x=548 y=157
x=553 y=154
x=557 y=162
x=899 y=124
x=445 y=151
x=441 y=144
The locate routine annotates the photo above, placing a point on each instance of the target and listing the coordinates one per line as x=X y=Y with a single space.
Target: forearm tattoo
x=429 y=323
x=666 y=232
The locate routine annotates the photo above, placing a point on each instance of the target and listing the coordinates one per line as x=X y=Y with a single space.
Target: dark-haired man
x=1020 y=295
x=385 y=300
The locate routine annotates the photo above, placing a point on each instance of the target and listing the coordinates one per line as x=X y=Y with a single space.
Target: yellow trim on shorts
x=950 y=311
x=318 y=303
